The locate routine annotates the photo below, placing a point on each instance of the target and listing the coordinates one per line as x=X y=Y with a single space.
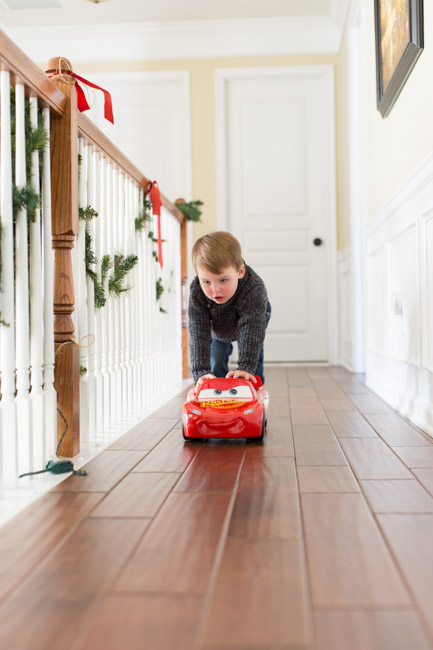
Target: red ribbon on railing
x=155 y=198
x=82 y=102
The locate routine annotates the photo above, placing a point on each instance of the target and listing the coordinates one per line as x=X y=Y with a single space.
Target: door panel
x=279 y=196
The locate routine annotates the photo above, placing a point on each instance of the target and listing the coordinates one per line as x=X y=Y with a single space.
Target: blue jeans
x=220 y=352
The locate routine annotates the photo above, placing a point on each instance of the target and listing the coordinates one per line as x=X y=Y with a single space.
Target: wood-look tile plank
x=397 y=496
x=30 y=536
x=278 y=440
x=425 y=476
x=410 y=537
x=140 y=622
x=327 y=479
x=57 y=599
x=308 y=415
x=145 y=435
x=349 y=563
x=172 y=454
x=215 y=468
x=103 y=472
x=370 y=458
x=315 y=444
x=337 y=404
x=138 y=495
x=416 y=456
x=266 y=504
x=369 y=630
x=369 y=403
x=350 y=425
x=177 y=553
x=395 y=431
x=172 y=409
x=259 y=597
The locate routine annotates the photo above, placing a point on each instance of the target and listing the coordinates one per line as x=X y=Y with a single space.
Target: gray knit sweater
x=241 y=319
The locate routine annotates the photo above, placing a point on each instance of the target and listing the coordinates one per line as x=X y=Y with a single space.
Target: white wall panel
x=399 y=246
x=376 y=301
x=427 y=289
x=403 y=295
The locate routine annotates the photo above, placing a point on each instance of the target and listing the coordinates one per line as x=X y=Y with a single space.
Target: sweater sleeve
x=252 y=328
x=199 y=326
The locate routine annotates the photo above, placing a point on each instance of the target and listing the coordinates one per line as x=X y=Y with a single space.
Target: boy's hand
x=203 y=378
x=241 y=374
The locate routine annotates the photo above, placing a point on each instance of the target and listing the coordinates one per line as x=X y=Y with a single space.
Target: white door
x=151 y=124
x=277 y=196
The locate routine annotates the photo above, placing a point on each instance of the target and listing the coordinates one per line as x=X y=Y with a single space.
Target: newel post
x=183 y=283
x=64 y=198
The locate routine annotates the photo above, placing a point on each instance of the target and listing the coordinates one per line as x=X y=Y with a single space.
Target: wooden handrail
x=25 y=71
x=107 y=149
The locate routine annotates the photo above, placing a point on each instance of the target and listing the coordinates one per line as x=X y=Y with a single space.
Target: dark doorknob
x=317 y=241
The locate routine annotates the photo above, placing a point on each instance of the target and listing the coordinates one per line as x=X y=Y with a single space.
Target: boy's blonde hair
x=217 y=251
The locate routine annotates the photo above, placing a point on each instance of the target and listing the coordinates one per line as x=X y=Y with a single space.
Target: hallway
x=317 y=539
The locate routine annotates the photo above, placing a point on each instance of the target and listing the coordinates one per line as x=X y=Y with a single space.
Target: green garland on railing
x=27 y=197
x=144 y=217
x=120 y=264
x=191 y=210
x=121 y=267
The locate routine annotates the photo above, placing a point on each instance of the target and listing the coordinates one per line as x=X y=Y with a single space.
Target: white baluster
x=22 y=295
x=81 y=294
x=121 y=300
x=110 y=304
x=106 y=216
x=116 y=397
x=8 y=450
x=91 y=303
x=50 y=395
x=127 y=303
x=98 y=313
x=36 y=310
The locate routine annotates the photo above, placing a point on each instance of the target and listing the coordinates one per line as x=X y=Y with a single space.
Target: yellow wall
x=343 y=153
x=203 y=115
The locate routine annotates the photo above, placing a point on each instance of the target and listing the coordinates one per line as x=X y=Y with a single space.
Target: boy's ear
x=241 y=271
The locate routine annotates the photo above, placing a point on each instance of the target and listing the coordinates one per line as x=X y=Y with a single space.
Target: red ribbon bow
x=82 y=102
x=155 y=198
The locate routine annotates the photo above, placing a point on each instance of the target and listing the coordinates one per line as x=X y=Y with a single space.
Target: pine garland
x=122 y=265
x=27 y=197
x=144 y=217
x=191 y=210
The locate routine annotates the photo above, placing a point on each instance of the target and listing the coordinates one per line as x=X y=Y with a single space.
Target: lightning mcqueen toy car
x=226 y=408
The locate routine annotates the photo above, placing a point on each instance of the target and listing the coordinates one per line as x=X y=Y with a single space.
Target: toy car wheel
x=190 y=438
x=264 y=423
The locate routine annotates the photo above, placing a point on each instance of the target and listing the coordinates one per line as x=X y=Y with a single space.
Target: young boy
x=228 y=302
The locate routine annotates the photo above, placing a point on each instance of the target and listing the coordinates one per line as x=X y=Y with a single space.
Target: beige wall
x=398 y=144
x=203 y=115
x=342 y=145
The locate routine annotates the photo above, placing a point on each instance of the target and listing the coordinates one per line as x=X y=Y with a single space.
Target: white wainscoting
x=345 y=310
x=399 y=295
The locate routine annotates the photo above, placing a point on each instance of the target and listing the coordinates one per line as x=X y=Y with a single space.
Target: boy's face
x=221 y=287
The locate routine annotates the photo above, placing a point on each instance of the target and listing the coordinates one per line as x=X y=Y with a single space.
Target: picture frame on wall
x=399 y=43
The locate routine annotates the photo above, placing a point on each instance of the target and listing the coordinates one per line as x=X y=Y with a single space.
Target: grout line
x=208 y=595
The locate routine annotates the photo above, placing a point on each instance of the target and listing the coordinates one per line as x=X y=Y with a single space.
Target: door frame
x=324 y=73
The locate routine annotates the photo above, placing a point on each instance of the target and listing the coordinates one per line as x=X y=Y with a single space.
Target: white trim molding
x=399 y=244
x=180 y=40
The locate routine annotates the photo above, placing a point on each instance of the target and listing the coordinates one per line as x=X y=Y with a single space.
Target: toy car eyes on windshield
x=242 y=392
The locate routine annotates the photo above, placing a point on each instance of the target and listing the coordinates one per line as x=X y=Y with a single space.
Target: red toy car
x=226 y=408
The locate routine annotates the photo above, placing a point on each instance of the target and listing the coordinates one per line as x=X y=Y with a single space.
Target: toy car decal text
x=223 y=403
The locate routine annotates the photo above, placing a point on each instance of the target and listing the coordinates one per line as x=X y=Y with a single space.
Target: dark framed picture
x=399 y=42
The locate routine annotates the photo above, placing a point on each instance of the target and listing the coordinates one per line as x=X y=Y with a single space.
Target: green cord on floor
x=57 y=467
